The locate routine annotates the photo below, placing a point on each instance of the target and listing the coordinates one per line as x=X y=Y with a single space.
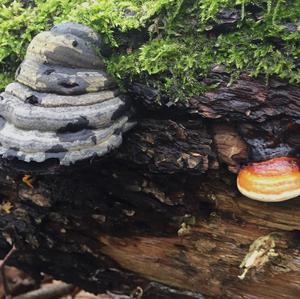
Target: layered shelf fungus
x=273 y=180
x=64 y=107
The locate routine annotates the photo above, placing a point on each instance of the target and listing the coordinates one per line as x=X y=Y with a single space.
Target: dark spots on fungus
x=118 y=131
x=94 y=139
x=58 y=148
x=2 y=123
x=79 y=124
x=49 y=71
x=76 y=136
x=32 y=100
x=120 y=111
x=110 y=148
x=18 y=71
x=56 y=152
x=68 y=84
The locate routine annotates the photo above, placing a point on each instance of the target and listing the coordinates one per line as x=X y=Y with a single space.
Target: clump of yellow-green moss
x=181 y=43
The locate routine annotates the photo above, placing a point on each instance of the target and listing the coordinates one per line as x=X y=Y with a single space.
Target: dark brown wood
x=163 y=212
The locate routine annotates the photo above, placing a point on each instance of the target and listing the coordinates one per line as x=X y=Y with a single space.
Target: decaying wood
x=265 y=115
x=51 y=292
x=163 y=212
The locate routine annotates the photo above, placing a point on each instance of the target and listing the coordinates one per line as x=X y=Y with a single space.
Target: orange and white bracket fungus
x=274 y=180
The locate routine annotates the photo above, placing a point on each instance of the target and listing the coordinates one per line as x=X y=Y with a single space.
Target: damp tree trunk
x=163 y=214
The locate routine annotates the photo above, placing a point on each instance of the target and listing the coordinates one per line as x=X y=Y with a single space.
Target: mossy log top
x=170 y=45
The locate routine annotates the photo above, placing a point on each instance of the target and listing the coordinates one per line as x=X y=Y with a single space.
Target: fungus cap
x=64 y=107
x=274 y=180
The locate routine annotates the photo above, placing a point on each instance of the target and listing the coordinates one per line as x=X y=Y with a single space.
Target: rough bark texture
x=163 y=212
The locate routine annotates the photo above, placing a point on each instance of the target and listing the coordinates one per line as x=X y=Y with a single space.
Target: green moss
x=5 y=78
x=181 y=48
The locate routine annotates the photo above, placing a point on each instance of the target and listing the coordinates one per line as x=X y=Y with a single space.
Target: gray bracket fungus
x=81 y=31
x=63 y=49
x=62 y=80
x=63 y=106
x=38 y=146
x=24 y=116
x=36 y=98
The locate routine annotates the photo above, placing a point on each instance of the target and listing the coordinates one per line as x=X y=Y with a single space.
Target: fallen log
x=162 y=214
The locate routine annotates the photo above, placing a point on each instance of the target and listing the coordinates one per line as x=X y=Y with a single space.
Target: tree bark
x=163 y=212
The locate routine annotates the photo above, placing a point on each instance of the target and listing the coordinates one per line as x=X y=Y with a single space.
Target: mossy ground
x=181 y=44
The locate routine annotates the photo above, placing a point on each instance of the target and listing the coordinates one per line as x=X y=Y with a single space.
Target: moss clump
x=5 y=78
x=185 y=38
